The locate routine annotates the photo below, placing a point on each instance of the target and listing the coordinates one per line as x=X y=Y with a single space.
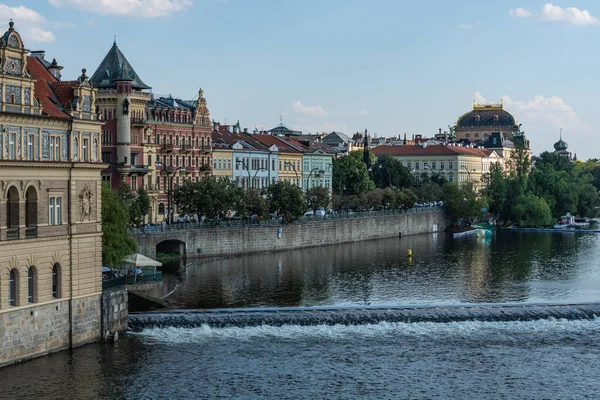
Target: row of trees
x=121 y=209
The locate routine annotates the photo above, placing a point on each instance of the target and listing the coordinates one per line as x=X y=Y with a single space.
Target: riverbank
x=242 y=240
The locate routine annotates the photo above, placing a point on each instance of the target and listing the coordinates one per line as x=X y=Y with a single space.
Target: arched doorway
x=12 y=213
x=170 y=248
x=31 y=212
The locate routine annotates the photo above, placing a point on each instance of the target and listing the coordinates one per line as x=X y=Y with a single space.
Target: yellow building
x=290 y=166
x=222 y=161
x=454 y=163
x=50 y=206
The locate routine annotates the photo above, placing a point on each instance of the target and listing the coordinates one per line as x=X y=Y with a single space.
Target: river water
x=549 y=358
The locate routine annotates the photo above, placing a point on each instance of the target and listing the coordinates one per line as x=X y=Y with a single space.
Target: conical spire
x=115 y=67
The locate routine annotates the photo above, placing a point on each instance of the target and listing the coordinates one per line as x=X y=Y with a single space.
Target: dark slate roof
x=336 y=137
x=281 y=129
x=113 y=68
x=486 y=116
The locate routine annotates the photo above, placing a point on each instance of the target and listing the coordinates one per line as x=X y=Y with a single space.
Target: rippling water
x=551 y=358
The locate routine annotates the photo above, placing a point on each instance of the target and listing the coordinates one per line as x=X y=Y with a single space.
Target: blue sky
x=392 y=67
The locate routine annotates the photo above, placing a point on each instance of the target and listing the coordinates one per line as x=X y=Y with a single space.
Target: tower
x=123 y=123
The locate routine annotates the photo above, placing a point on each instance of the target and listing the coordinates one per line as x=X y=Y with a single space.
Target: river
x=549 y=358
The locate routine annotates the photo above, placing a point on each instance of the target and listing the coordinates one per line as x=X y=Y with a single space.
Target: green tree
x=429 y=191
x=211 y=197
x=461 y=203
x=286 y=199
x=532 y=211
x=252 y=202
x=317 y=197
x=116 y=242
x=405 y=199
x=389 y=171
x=138 y=203
x=350 y=175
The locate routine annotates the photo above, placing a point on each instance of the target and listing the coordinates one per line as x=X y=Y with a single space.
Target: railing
x=12 y=233
x=187 y=147
x=152 y=188
x=167 y=147
x=229 y=223
x=31 y=232
x=139 y=169
x=146 y=277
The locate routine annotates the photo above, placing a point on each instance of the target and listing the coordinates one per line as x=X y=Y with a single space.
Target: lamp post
x=294 y=168
x=254 y=177
x=468 y=172
x=309 y=175
x=389 y=174
x=170 y=175
x=245 y=166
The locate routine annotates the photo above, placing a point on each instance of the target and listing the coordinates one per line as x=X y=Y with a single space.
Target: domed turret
x=561 y=145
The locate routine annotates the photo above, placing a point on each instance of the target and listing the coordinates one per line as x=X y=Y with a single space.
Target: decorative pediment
x=274 y=148
x=237 y=146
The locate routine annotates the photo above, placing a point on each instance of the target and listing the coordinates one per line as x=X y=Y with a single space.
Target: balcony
x=138 y=169
x=207 y=149
x=167 y=147
x=12 y=233
x=31 y=232
x=137 y=122
x=187 y=148
x=152 y=188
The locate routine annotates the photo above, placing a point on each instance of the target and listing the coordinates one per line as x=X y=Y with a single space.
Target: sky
x=391 y=67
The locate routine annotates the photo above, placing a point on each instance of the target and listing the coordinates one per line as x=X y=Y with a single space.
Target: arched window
x=177 y=161
x=13 y=288
x=31 y=212
x=12 y=212
x=189 y=140
x=161 y=208
x=56 y=278
x=176 y=140
x=170 y=139
x=31 y=285
x=202 y=143
x=197 y=141
x=208 y=142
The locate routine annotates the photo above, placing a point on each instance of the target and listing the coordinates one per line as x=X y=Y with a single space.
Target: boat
x=569 y=221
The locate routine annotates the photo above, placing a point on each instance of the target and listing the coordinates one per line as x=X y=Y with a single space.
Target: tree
x=389 y=171
x=317 y=197
x=252 y=202
x=429 y=191
x=350 y=174
x=532 y=211
x=286 y=199
x=405 y=199
x=116 y=242
x=211 y=197
x=138 y=203
x=461 y=203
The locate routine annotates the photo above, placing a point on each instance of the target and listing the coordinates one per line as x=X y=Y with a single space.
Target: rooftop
x=432 y=150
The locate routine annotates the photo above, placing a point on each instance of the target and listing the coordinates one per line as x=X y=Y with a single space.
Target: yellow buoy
x=409 y=252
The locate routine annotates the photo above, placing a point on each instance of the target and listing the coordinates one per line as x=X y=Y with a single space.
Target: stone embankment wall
x=43 y=328
x=115 y=303
x=255 y=239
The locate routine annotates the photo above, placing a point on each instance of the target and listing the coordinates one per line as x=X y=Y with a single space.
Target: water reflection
x=510 y=267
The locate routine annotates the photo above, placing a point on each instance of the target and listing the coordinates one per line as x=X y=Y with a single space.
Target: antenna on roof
x=560 y=133
x=115 y=42
x=281 y=117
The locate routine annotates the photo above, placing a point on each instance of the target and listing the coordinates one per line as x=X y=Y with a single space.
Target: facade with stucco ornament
x=50 y=206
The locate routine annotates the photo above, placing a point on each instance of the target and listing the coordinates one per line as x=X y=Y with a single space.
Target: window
x=13 y=288
x=229 y=163
x=30 y=147
x=417 y=165
x=106 y=178
x=442 y=165
x=31 y=284
x=149 y=160
x=54 y=211
x=56 y=289
x=219 y=163
x=106 y=157
x=409 y=165
x=450 y=178
x=449 y=164
x=433 y=165
x=55 y=148
x=86 y=143
x=425 y=165
x=273 y=165
x=134 y=183
x=11 y=146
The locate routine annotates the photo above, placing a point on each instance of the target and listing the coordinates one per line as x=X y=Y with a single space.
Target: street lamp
x=245 y=165
x=468 y=172
x=254 y=177
x=389 y=174
x=311 y=171
x=296 y=172
x=170 y=175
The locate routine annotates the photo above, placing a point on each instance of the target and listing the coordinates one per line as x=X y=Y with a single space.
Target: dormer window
x=495 y=118
x=12 y=98
x=477 y=118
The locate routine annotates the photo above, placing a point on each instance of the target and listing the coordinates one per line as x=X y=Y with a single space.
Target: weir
x=312 y=316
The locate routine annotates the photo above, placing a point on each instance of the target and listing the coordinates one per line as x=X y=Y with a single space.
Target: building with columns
x=50 y=206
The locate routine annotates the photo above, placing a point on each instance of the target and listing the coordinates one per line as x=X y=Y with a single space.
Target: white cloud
x=362 y=112
x=519 y=13
x=465 y=26
x=571 y=15
x=29 y=23
x=550 y=12
x=131 y=8
x=311 y=111
x=479 y=99
x=543 y=117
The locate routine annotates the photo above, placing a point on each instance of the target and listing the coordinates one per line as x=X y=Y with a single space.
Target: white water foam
x=474 y=330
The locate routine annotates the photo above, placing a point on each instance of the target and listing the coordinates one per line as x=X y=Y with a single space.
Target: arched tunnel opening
x=168 y=248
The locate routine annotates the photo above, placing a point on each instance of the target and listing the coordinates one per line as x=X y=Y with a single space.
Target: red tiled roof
x=432 y=150
x=282 y=145
x=64 y=91
x=43 y=92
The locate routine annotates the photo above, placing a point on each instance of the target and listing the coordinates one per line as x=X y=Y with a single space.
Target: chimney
x=55 y=69
x=39 y=54
x=245 y=130
x=440 y=130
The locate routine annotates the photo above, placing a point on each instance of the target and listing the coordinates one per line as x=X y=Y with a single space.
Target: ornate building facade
x=149 y=142
x=50 y=206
